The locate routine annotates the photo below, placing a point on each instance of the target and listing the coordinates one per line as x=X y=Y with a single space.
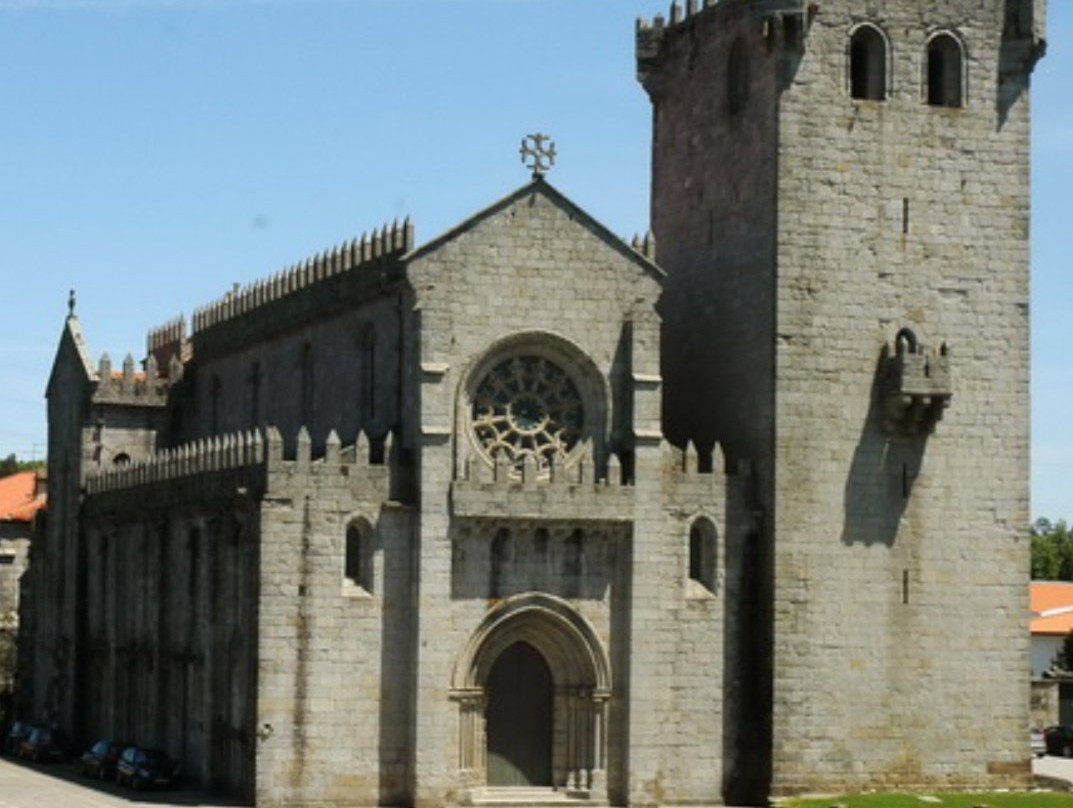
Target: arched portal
x=533 y=686
x=518 y=718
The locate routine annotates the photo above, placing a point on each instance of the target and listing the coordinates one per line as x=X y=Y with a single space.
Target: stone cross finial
x=539 y=150
x=71 y=303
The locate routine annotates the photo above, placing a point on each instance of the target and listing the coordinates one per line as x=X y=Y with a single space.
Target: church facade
x=530 y=513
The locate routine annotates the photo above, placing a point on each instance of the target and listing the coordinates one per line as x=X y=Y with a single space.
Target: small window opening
x=358 y=566
x=737 y=78
x=868 y=64
x=702 y=554
x=367 y=391
x=308 y=386
x=501 y=551
x=944 y=71
x=214 y=405
x=255 y=394
x=121 y=459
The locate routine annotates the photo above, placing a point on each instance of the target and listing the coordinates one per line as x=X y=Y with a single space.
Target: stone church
x=527 y=513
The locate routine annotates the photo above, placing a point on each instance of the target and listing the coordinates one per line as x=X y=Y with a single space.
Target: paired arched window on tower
x=870 y=60
x=945 y=71
x=868 y=64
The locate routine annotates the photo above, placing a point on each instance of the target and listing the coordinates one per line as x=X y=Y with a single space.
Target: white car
x=1039 y=743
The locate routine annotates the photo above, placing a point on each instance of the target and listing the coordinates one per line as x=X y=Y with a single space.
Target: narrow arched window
x=868 y=64
x=500 y=563
x=255 y=394
x=737 y=78
x=216 y=393
x=367 y=383
x=945 y=67
x=308 y=386
x=703 y=560
x=358 y=564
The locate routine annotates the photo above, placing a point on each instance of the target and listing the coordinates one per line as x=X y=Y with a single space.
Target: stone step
x=514 y=796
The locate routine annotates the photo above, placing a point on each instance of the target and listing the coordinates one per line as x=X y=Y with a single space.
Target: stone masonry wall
x=334 y=658
x=899 y=214
x=899 y=570
x=168 y=623
x=500 y=282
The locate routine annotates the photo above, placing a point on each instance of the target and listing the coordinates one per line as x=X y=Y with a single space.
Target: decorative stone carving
x=527 y=412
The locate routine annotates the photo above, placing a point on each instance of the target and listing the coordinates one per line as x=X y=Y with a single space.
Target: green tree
x=1052 y=550
x=12 y=465
x=1063 y=660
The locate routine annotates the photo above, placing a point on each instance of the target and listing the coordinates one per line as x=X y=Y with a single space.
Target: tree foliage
x=1052 y=551
x=1063 y=660
x=12 y=465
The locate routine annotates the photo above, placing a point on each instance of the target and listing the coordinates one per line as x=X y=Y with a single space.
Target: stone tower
x=840 y=198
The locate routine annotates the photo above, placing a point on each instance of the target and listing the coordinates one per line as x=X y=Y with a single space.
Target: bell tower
x=840 y=198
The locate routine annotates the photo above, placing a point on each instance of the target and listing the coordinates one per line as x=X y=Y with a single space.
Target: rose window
x=527 y=407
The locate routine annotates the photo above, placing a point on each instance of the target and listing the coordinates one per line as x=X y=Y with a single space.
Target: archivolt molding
x=562 y=635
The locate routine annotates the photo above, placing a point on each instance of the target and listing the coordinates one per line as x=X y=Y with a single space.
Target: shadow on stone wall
x=881 y=475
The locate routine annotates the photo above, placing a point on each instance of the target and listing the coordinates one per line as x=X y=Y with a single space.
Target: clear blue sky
x=153 y=152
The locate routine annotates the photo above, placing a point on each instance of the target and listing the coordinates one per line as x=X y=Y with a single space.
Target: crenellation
x=388 y=241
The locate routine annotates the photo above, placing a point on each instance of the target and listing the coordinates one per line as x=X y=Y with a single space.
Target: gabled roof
x=72 y=343
x=1052 y=607
x=541 y=186
x=19 y=500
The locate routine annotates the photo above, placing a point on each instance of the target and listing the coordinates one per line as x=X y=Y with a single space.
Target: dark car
x=18 y=732
x=100 y=761
x=146 y=768
x=45 y=743
x=1059 y=740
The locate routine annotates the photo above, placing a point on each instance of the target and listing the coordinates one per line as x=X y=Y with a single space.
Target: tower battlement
x=129 y=386
x=167 y=344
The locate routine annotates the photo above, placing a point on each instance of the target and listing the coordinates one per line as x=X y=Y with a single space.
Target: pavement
x=1054 y=768
x=30 y=785
x=59 y=785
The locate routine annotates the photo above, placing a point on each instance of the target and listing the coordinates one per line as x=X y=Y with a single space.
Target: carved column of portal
x=586 y=721
x=471 y=751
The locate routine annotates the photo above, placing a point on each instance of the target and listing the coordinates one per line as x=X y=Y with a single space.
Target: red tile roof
x=1052 y=607
x=17 y=500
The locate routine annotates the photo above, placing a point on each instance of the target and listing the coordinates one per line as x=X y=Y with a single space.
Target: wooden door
x=518 y=719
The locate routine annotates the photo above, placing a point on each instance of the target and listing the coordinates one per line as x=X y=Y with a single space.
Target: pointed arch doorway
x=518 y=718
x=533 y=686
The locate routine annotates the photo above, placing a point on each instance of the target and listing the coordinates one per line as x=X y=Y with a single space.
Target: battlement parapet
x=391 y=241
x=168 y=345
x=645 y=245
x=130 y=387
x=264 y=452
x=580 y=491
x=192 y=459
x=785 y=23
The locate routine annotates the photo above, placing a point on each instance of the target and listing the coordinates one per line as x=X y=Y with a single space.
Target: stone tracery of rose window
x=527 y=406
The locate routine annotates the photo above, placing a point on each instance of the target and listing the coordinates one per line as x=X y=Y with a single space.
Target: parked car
x=146 y=768
x=45 y=743
x=1059 y=740
x=18 y=732
x=101 y=758
x=1037 y=742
